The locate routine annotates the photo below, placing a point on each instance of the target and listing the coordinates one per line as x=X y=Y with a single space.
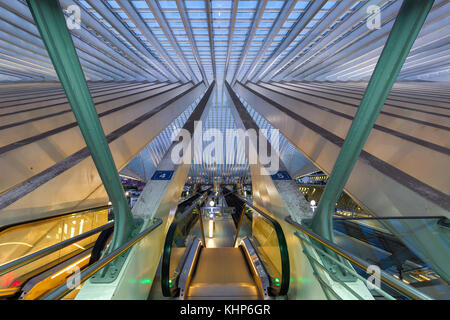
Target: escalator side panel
x=189 y=267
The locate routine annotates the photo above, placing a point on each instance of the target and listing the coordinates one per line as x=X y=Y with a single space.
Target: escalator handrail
x=87 y=210
x=190 y=197
x=390 y=218
x=63 y=289
x=20 y=262
x=284 y=254
x=165 y=262
x=392 y=282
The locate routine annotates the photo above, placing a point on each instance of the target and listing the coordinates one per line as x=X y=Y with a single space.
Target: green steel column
x=52 y=26
x=407 y=25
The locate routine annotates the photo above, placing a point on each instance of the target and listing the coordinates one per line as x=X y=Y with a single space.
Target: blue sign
x=281 y=175
x=162 y=175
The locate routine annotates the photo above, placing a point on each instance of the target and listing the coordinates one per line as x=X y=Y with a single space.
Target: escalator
x=38 y=255
x=225 y=251
x=382 y=242
x=222 y=273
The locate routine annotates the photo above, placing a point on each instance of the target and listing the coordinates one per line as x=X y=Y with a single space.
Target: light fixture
x=211 y=203
x=313 y=205
x=211 y=228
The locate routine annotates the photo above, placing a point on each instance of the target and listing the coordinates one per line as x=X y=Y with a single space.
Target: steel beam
x=56 y=37
x=441 y=67
x=282 y=17
x=363 y=61
x=210 y=35
x=362 y=45
x=234 y=8
x=305 y=18
x=128 y=8
x=11 y=26
x=407 y=25
x=187 y=27
x=256 y=19
x=159 y=16
x=151 y=64
x=336 y=33
x=334 y=14
x=415 y=60
x=127 y=57
x=85 y=41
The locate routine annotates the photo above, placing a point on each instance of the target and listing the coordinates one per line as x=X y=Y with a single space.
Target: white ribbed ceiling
x=233 y=40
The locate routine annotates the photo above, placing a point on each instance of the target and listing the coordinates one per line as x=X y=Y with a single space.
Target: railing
x=64 y=289
x=176 y=243
x=308 y=235
x=26 y=254
x=268 y=239
x=58 y=216
x=413 y=249
x=10 y=266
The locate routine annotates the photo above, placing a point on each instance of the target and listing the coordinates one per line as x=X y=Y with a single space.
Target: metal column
x=407 y=25
x=52 y=26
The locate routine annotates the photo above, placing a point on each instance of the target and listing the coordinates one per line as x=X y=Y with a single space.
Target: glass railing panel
x=24 y=239
x=66 y=290
x=267 y=238
x=414 y=250
x=79 y=223
x=179 y=237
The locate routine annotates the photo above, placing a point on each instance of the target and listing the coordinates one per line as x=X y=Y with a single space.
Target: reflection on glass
x=414 y=250
x=24 y=239
x=264 y=238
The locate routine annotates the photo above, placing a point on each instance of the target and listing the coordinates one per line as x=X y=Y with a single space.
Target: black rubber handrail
x=284 y=254
x=167 y=251
x=391 y=218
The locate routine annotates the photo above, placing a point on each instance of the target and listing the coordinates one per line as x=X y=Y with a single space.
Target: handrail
x=390 y=218
x=392 y=282
x=190 y=197
x=62 y=290
x=15 y=264
x=200 y=220
x=238 y=228
x=342 y=265
x=87 y=210
x=284 y=254
x=165 y=264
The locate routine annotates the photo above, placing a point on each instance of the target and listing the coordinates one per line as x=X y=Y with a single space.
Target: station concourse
x=224 y=150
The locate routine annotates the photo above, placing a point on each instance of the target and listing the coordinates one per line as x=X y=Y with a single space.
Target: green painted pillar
x=407 y=25
x=51 y=23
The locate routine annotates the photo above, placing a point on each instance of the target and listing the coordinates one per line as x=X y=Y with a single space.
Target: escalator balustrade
x=229 y=251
